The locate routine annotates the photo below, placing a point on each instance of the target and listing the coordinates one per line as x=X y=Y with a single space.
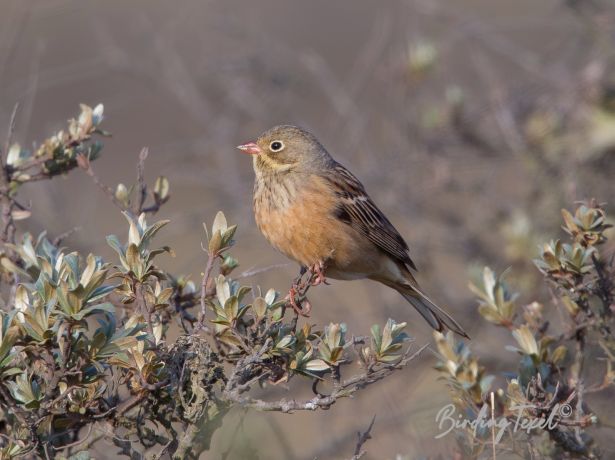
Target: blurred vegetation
x=552 y=379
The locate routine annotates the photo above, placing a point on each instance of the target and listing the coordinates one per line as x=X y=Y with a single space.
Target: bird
x=316 y=212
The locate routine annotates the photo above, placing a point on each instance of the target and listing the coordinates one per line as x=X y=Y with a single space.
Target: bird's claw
x=303 y=307
x=318 y=274
x=296 y=296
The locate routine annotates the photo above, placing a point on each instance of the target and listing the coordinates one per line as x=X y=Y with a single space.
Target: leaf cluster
x=551 y=369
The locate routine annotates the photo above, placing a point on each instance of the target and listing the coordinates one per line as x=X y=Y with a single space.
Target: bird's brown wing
x=358 y=210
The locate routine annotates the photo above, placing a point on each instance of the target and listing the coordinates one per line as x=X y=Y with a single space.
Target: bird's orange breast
x=300 y=222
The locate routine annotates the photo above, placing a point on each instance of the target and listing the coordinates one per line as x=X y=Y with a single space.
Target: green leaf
x=316 y=365
x=9 y=337
x=114 y=242
x=260 y=307
x=150 y=232
x=270 y=296
x=161 y=188
x=215 y=243
x=133 y=258
x=100 y=292
x=526 y=340
x=559 y=354
x=376 y=336
x=134 y=231
x=223 y=289
x=122 y=194
x=89 y=270
x=25 y=390
x=106 y=306
x=219 y=224
x=231 y=307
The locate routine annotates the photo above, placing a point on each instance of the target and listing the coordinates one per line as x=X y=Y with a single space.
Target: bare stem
x=86 y=165
x=362 y=439
x=211 y=260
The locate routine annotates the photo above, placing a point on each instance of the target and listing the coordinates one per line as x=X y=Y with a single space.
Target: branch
x=86 y=165
x=57 y=241
x=362 y=439
x=344 y=390
x=200 y=325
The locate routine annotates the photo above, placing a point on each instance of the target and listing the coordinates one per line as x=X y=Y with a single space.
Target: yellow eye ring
x=276 y=146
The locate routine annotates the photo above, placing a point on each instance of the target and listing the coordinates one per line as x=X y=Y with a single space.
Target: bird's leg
x=303 y=307
x=318 y=274
x=296 y=294
x=297 y=284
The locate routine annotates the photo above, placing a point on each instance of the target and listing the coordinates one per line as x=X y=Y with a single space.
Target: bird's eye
x=276 y=146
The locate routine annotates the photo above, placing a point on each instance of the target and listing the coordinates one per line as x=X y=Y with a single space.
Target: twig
x=205 y=281
x=122 y=408
x=139 y=205
x=86 y=165
x=62 y=236
x=362 y=439
x=164 y=449
x=78 y=441
x=34 y=162
x=345 y=389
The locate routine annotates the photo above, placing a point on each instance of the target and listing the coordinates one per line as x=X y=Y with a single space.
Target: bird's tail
x=434 y=315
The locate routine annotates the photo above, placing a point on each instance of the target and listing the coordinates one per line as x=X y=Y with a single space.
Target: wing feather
x=358 y=210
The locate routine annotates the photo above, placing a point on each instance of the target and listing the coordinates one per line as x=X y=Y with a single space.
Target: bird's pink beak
x=250 y=148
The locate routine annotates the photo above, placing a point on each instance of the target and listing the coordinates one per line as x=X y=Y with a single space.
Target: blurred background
x=471 y=123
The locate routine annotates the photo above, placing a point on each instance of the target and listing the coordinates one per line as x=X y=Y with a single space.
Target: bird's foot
x=297 y=294
x=303 y=306
x=318 y=274
x=298 y=281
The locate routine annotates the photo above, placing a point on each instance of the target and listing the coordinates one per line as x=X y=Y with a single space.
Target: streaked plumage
x=312 y=209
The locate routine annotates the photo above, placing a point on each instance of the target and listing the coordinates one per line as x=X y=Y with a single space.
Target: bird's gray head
x=285 y=148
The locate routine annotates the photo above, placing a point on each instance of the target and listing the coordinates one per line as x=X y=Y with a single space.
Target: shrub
x=152 y=361
x=550 y=385
x=125 y=350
